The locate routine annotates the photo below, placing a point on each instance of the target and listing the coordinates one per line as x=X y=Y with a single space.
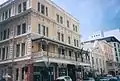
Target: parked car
x=89 y=79
x=63 y=78
x=104 y=79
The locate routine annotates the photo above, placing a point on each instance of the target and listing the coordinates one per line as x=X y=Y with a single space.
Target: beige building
x=100 y=53
x=37 y=39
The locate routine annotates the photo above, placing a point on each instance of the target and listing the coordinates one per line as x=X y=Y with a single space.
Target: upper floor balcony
x=48 y=50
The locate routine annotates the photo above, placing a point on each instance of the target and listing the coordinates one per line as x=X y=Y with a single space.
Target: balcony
x=57 y=58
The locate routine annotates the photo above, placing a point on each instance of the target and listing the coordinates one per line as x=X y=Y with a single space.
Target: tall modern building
x=39 y=41
x=102 y=34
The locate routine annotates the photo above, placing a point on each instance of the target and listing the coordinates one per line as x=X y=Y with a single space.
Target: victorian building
x=109 y=47
x=39 y=41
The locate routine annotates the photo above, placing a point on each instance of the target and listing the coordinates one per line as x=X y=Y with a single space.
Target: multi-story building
x=39 y=41
x=100 y=53
x=103 y=34
x=113 y=65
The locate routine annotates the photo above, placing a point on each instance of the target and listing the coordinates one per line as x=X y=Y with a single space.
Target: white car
x=64 y=78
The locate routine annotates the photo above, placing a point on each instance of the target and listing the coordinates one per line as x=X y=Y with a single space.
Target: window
x=4 y=36
x=92 y=60
x=76 y=28
x=116 y=53
x=17 y=50
x=77 y=43
x=39 y=29
x=115 y=49
x=97 y=62
x=6 y=14
x=23 y=73
x=59 y=51
x=70 y=53
x=62 y=37
x=69 y=40
x=67 y=23
x=74 y=42
x=117 y=59
x=38 y=6
x=23 y=28
x=118 y=45
x=3 y=54
x=23 y=49
x=73 y=27
x=114 y=44
x=19 y=8
x=46 y=11
x=24 y=6
x=6 y=52
x=43 y=30
x=3 y=16
x=8 y=33
x=17 y=73
x=59 y=36
x=42 y=9
x=61 y=19
x=47 y=31
x=10 y=12
x=18 y=29
x=1 y=35
x=63 y=52
x=0 y=53
x=44 y=47
x=57 y=18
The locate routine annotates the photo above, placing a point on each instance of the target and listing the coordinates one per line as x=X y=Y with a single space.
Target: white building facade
x=99 y=55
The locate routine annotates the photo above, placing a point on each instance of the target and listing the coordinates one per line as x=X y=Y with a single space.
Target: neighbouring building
x=100 y=53
x=39 y=41
x=103 y=34
x=114 y=64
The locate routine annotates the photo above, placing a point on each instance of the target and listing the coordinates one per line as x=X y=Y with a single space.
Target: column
x=28 y=46
x=20 y=50
x=20 y=74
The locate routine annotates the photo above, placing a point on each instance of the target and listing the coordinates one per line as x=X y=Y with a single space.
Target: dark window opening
x=62 y=37
x=4 y=36
x=23 y=28
x=59 y=36
x=17 y=73
x=61 y=20
x=17 y=50
x=39 y=29
x=19 y=8
x=18 y=29
x=3 y=54
x=23 y=49
x=57 y=18
x=69 y=40
x=67 y=23
x=47 y=31
x=24 y=6
x=38 y=6
x=42 y=9
x=46 y=11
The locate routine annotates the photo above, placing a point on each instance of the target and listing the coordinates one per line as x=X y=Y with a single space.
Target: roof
x=108 y=39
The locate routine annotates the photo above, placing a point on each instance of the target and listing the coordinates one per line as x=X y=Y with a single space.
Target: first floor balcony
x=59 y=58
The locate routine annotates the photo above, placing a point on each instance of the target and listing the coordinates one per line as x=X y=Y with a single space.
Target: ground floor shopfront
x=40 y=72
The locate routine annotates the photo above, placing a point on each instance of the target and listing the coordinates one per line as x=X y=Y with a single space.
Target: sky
x=93 y=15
